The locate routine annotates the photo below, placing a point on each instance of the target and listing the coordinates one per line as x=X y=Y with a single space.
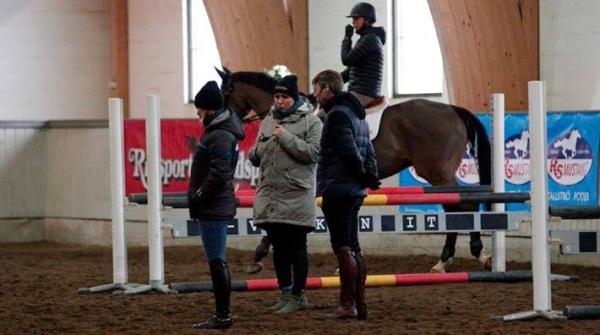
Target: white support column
x=117 y=202
x=540 y=256
x=155 y=238
x=117 y=191
x=540 y=252
x=498 y=237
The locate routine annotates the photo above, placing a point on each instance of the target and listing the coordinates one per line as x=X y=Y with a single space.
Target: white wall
x=326 y=23
x=156 y=57
x=569 y=53
x=54 y=59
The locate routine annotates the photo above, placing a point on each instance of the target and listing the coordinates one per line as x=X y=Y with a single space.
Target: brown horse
x=428 y=135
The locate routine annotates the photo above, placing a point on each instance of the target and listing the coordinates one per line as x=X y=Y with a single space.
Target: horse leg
x=447 y=254
x=478 y=251
x=448 y=250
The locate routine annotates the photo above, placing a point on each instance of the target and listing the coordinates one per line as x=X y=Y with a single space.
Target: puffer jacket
x=364 y=62
x=286 y=186
x=347 y=164
x=213 y=167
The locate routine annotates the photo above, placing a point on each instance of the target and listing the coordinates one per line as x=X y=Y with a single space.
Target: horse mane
x=258 y=79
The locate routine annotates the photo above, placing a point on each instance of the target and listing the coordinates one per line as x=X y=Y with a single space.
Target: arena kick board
x=392 y=223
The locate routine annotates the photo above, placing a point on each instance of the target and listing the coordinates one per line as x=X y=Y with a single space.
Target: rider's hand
x=349 y=31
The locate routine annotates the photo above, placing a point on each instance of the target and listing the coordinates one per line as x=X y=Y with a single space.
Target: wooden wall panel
x=119 y=54
x=253 y=35
x=488 y=46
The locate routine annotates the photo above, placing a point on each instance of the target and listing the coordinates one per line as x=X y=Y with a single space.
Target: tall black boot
x=221 y=281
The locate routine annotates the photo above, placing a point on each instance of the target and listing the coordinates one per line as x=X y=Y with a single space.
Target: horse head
x=249 y=94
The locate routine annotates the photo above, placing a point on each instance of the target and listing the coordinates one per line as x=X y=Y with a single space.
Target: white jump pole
x=155 y=237
x=540 y=256
x=540 y=252
x=117 y=191
x=498 y=237
x=117 y=201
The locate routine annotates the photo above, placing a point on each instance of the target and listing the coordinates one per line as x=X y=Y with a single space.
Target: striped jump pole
x=315 y=283
x=576 y=212
x=142 y=198
x=396 y=199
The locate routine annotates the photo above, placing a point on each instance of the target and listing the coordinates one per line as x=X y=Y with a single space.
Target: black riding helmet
x=365 y=10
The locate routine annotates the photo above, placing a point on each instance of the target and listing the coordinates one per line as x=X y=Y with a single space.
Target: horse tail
x=477 y=136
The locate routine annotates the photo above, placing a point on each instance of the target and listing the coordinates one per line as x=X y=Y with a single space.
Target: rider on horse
x=364 y=61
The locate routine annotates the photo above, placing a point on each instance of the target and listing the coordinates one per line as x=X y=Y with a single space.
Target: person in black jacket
x=347 y=166
x=364 y=61
x=211 y=197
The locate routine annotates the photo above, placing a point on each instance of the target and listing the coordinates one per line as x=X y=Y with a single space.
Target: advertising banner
x=572 y=160
x=178 y=141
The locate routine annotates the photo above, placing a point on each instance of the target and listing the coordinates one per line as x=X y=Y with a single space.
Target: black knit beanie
x=288 y=85
x=209 y=97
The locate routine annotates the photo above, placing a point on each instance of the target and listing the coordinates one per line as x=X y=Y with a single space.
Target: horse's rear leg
x=478 y=251
x=476 y=245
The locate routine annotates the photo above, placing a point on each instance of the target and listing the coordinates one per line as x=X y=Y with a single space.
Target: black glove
x=349 y=31
x=370 y=181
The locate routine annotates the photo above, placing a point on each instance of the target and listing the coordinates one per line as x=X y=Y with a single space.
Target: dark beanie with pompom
x=209 y=97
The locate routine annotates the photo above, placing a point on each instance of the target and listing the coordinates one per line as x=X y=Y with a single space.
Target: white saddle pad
x=373 y=118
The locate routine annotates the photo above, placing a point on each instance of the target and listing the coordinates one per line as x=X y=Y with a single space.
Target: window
x=202 y=53
x=418 y=67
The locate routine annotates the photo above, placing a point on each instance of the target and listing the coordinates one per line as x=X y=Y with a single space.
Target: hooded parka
x=213 y=167
x=286 y=186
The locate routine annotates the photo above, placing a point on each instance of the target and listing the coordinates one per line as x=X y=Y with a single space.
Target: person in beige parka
x=287 y=150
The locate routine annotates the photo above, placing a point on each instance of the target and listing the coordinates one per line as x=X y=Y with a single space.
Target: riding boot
x=361 y=304
x=348 y=274
x=221 y=281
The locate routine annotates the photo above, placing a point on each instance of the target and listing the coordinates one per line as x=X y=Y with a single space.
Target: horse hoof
x=486 y=262
x=254 y=268
x=441 y=266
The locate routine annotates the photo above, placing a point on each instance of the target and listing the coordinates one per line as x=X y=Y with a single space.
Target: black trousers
x=290 y=257
x=341 y=216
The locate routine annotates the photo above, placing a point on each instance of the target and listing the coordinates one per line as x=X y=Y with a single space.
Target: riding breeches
x=341 y=216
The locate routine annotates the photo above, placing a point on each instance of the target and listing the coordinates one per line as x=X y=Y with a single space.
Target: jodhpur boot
x=293 y=303
x=359 y=298
x=221 y=281
x=286 y=294
x=348 y=278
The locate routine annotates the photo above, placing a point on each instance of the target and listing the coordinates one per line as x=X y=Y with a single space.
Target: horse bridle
x=227 y=88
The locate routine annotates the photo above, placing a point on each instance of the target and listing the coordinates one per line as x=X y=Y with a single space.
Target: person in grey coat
x=287 y=150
